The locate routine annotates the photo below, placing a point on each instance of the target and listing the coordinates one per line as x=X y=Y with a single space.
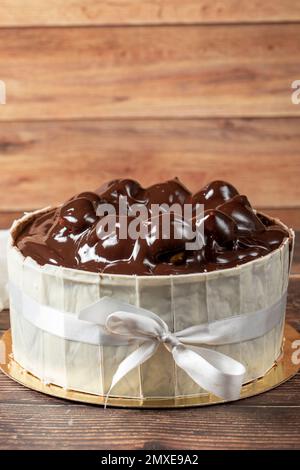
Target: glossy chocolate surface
x=69 y=236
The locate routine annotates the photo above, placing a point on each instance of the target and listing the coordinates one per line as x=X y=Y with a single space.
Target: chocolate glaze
x=70 y=236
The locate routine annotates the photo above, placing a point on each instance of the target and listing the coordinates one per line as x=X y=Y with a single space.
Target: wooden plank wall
x=149 y=89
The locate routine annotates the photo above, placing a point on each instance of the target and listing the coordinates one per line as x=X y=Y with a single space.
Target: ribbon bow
x=211 y=370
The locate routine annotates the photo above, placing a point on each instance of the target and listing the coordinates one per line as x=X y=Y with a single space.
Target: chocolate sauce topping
x=73 y=236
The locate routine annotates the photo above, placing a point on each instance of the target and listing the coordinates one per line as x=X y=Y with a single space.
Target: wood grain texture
x=84 y=427
x=7 y=218
x=131 y=12
x=47 y=162
x=4 y=320
x=289 y=216
x=198 y=71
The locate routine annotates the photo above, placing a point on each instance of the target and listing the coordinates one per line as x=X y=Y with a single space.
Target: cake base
x=282 y=371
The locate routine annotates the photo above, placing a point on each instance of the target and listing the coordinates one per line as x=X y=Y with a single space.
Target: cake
x=63 y=260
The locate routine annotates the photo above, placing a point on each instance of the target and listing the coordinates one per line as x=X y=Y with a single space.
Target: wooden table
x=30 y=420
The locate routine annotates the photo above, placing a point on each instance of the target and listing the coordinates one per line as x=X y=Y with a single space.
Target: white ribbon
x=114 y=323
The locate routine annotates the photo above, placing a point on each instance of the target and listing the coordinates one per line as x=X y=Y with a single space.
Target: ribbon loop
x=212 y=370
x=133 y=325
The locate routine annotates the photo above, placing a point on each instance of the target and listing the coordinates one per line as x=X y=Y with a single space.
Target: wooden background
x=150 y=89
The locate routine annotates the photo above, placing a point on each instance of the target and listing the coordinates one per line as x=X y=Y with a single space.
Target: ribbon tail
x=136 y=358
x=213 y=371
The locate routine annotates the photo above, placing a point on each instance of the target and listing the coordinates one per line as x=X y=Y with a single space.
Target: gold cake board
x=282 y=371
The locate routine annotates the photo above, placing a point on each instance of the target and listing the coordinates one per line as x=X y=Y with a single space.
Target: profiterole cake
x=61 y=260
